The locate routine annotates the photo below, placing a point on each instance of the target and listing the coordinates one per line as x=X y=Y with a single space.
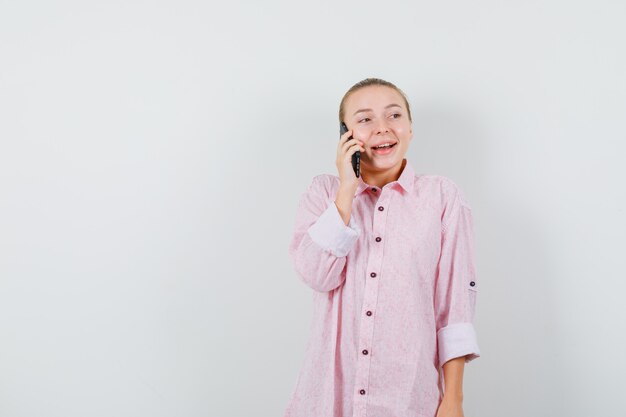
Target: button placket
x=370 y=298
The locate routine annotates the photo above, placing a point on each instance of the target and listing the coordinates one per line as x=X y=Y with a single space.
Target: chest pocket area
x=416 y=236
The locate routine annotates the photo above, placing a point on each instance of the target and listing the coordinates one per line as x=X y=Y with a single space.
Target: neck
x=381 y=178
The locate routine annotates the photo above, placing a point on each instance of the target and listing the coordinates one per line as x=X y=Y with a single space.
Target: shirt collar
x=406 y=179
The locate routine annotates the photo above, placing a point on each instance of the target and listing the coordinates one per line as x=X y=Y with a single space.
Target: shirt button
x=362 y=392
x=472 y=283
x=365 y=351
x=378 y=239
x=380 y=208
x=369 y=313
x=373 y=275
x=374 y=189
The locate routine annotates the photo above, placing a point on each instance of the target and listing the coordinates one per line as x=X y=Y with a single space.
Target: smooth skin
x=384 y=117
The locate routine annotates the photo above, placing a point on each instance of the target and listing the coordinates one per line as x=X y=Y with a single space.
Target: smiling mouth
x=384 y=151
x=378 y=148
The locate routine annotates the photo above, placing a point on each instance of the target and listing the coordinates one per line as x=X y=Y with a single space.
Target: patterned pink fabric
x=394 y=296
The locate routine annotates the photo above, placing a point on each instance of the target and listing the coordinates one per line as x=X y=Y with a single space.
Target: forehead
x=374 y=97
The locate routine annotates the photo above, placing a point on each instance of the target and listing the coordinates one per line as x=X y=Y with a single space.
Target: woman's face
x=377 y=115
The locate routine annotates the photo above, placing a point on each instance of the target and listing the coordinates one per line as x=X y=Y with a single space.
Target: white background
x=153 y=154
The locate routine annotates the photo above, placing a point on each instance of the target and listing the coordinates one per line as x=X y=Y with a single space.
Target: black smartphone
x=356 y=157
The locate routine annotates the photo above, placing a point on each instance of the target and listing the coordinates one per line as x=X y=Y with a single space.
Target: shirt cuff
x=332 y=234
x=455 y=340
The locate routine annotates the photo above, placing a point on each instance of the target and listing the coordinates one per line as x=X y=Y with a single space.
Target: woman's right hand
x=345 y=150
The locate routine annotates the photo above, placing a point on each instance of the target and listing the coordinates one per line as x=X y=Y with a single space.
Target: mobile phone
x=356 y=157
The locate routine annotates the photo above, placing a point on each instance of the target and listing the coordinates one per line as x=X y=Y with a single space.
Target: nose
x=381 y=126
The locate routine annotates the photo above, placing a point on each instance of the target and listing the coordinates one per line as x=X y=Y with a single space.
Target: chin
x=382 y=165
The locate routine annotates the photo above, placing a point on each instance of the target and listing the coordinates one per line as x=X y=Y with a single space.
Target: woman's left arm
x=452 y=403
x=455 y=300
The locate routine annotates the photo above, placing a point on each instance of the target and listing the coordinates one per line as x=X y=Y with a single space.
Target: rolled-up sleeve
x=321 y=240
x=331 y=233
x=456 y=285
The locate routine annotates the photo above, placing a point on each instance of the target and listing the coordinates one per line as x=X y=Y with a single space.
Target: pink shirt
x=394 y=296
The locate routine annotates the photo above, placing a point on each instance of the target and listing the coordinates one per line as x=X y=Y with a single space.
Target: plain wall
x=153 y=154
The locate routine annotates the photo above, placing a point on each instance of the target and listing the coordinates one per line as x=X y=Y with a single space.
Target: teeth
x=386 y=145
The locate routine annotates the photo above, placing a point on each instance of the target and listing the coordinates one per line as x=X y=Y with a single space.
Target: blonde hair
x=365 y=83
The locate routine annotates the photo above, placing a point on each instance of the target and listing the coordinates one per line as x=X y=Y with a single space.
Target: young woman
x=390 y=257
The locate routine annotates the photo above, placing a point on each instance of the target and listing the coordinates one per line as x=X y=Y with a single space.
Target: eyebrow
x=390 y=105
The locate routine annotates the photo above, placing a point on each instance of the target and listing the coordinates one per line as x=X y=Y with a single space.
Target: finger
x=350 y=143
x=345 y=136
x=355 y=148
x=343 y=143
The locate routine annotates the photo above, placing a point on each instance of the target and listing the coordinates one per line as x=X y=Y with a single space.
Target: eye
x=396 y=114
x=366 y=118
